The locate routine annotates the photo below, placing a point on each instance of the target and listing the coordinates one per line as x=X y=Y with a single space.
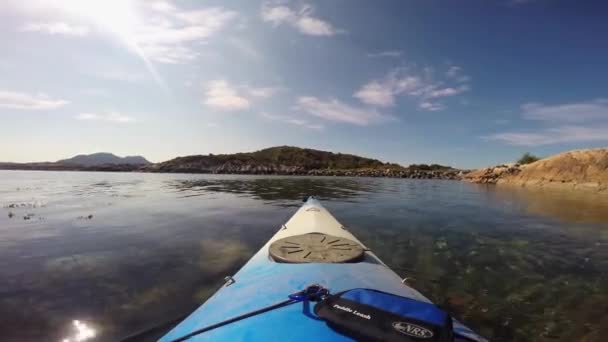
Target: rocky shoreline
x=585 y=170
x=452 y=174
x=492 y=175
x=581 y=169
x=281 y=170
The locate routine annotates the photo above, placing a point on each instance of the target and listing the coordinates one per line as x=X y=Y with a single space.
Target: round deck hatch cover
x=315 y=247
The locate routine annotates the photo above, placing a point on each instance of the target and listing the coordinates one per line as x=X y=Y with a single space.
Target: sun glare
x=82 y=332
x=120 y=18
x=116 y=16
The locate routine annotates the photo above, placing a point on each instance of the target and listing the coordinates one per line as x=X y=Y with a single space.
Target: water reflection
x=567 y=205
x=281 y=190
x=505 y=261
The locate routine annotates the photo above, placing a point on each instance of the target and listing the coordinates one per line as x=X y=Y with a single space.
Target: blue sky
x=467 y=83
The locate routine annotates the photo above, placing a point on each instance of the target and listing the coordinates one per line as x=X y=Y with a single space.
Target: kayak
x=312 y=247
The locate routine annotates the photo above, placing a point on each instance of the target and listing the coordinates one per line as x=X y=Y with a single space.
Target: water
x=122 y=251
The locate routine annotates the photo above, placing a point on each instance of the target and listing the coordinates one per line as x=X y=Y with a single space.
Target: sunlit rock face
x=578 y=170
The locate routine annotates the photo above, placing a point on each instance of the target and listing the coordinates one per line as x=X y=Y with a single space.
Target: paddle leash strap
x=312 y=293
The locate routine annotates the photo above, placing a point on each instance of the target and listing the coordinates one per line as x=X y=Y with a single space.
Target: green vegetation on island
x=289 y=160
x=527 y=158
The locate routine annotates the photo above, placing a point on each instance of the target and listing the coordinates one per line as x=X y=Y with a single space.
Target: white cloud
x=388 y=53
x=585 y=121
x=569 y=112
x=277 y=15
x=219 y=94
x=222 y=95
x=334 y=110
x=292 y=120
x=263 y=92
x=402 y=81
x=383 y=92
x=154 y=30
x=314 y=27
x=302 y=20
x=562 y=134
x=56 y=28
x=15 y=100
x=162 y=6
x=167 y=35
x=443 y=92
x=108 y=117
x=377 y=94
x=430 y=106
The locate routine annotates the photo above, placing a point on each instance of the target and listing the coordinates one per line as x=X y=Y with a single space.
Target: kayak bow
x=311 y=248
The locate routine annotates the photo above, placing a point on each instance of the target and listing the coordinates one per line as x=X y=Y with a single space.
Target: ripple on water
x=514 y=264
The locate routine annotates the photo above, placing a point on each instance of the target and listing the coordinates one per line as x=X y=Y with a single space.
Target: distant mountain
x=103 y=158
x=281 y=159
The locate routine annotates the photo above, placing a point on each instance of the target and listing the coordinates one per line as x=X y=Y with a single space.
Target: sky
x=465 y=83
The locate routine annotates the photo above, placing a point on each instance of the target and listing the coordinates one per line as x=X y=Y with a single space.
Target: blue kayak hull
x=263 y=282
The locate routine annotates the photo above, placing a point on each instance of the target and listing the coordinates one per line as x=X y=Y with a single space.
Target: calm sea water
x=123 y=251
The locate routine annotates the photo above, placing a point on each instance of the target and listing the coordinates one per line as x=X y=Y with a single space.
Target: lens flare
x=82 y=332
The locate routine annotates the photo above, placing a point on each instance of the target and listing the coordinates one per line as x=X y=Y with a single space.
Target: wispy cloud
x=167 y=35
x=388 y=53
x=219 y=94
x=570 y=122
x=54 y=28
x=302 y=20
x=292 y=121
x=154 y=30
x=335 y=110
x=403 y=81
x=430 y=106
x=570 y=112
x=222 y=95
x=108 y=117
x=562 y=134
x=16 y=100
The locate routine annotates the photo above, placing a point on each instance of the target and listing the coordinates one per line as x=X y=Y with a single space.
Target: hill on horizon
x=103 y=158
x=272 y=159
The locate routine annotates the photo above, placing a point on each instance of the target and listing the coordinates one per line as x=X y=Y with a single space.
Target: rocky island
x=289 y=160
x=281 y=160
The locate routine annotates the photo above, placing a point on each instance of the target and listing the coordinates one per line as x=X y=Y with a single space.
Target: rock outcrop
x=579 y=169
x=491 y=175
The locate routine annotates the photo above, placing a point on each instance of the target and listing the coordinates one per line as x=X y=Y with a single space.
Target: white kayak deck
x=263 y=282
